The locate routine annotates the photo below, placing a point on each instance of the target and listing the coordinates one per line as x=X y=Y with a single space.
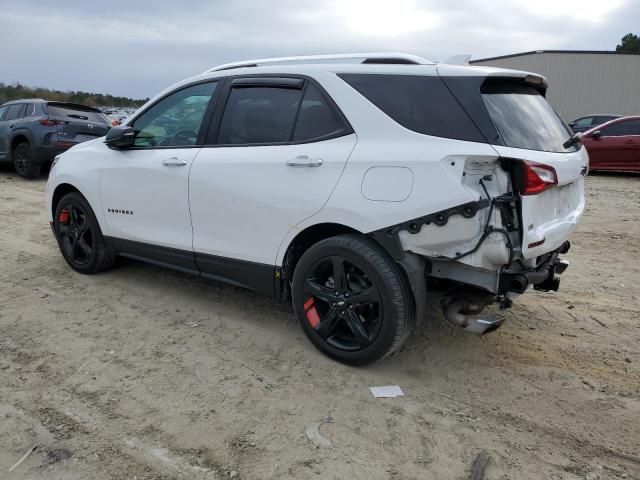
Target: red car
x=614 y=145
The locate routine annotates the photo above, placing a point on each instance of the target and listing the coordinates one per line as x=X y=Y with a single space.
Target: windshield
x=524 y=118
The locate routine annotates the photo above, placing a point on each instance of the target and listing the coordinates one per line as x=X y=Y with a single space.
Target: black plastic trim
x=276 y=82
x=254 y=276
x=258 y=277
x=156 y=254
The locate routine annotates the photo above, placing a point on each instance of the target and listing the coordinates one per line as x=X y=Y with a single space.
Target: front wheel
x=352 y=300
x=79 y=236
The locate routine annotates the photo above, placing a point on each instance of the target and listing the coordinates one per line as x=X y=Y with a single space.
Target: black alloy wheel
x=352 y=300
x=342 y=304
x=23 y=161
x=79 y=236
x=75 y=234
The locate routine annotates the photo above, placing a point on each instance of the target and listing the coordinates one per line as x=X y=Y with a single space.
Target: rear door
x=77 y=123
x=273 y=158
x=7 y=125
x=4 y=134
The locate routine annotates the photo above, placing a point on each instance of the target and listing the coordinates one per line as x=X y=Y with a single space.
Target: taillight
x=50 y=123
x=537 y=177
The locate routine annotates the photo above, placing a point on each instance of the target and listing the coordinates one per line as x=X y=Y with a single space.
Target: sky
x=138 y=48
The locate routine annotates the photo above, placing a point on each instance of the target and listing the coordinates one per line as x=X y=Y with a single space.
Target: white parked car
x=347 y=184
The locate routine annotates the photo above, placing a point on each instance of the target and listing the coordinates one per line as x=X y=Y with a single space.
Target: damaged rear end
x=530 y=197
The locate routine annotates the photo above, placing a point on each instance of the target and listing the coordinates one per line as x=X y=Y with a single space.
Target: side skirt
x=254 y=276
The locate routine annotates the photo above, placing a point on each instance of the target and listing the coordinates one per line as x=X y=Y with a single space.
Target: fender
x=19 y=132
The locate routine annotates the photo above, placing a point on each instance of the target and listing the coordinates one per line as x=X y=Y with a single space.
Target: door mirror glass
x=596 y=134
x=120 y=137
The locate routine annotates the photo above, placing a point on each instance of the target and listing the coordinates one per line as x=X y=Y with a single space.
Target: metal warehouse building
x=581 y=82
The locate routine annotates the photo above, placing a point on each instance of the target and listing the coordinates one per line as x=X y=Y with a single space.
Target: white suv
x=348 y=184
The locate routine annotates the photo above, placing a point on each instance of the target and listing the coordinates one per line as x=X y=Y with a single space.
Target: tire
x=79 y=236
x=373 y=311
x=24 y=161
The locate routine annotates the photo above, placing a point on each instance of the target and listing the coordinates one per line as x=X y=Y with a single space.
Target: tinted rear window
x=76 y=113
x=259 y=115
x=420 y=103
x=316 y=119
x=524 y=118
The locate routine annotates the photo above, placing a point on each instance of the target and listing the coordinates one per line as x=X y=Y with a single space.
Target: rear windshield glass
x=420 y=103
x=76 y=113
x=525 y=119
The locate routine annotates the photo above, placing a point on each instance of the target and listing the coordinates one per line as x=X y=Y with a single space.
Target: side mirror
x=572 y=124
x=597 y=134
x=120 y=137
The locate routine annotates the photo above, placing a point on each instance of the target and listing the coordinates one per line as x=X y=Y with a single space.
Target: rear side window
x=420 y=103
x=29 y=110
x=316 y=119
x=259 y=115
x=13 y=111
x=584 y=122
x=620 y=129
x=2 y=110
x=524 y=118
x=70 y=112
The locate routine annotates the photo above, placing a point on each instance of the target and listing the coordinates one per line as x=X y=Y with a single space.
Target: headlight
x=55 y=160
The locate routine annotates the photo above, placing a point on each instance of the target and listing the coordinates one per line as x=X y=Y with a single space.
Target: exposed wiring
x=488 y=229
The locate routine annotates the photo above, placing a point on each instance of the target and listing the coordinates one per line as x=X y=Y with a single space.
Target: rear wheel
x=79 y=236
x=352 y=300
x=24 y=161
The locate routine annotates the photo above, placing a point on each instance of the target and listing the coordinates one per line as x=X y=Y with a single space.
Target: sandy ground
x=144 y=373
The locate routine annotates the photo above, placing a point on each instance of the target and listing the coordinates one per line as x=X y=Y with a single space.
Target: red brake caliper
x=312 y=313
x=64 y=216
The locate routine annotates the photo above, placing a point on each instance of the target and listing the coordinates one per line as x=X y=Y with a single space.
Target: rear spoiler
x=74 y=106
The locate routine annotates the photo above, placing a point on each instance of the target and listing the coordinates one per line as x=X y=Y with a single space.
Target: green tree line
x=17 y=91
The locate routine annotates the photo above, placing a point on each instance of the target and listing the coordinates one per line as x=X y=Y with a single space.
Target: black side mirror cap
x=120 y=137
x=596 y=134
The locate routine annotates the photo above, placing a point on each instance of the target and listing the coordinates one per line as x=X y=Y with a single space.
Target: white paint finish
x=387 y=184
x=158 y=195
x=246 y=203
x=80 y=166
x=552 y=215
x=245 y=199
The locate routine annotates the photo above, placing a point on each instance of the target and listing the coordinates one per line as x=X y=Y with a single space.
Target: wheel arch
x=60 y=191
x=19 y=138
x=306 y=239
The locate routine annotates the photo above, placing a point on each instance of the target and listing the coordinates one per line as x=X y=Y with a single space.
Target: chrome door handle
x=174 y=162
x=304 y=161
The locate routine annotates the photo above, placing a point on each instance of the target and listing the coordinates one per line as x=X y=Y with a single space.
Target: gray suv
x=34 y=131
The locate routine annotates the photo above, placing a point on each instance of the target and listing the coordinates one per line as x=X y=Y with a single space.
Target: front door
x=280 y=148
x=8 y=117
x=145 y=189
x=616 y=148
